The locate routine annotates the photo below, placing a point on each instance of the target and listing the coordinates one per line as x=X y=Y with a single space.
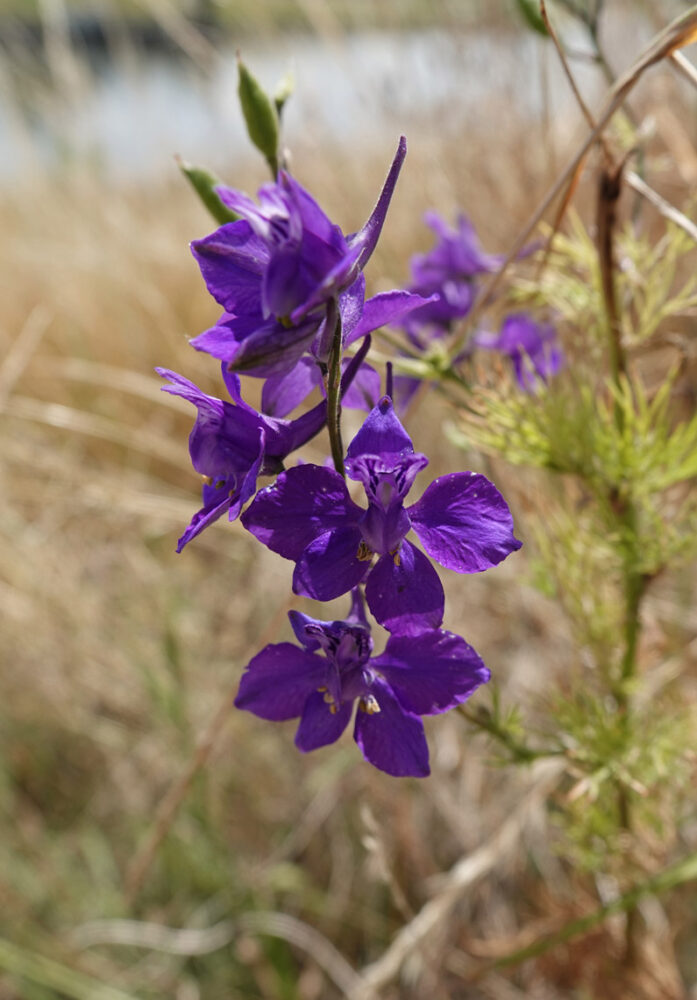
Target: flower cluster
x=292 y=289
x=448 y=274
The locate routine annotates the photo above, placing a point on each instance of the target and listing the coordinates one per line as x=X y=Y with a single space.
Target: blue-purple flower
x=278 y=269
x=421 y=674
x=533 y=348
x=448 y=272
x=231 y=445
x=308 y=516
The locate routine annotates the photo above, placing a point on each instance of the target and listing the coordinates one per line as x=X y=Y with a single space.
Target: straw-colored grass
x=277 y=869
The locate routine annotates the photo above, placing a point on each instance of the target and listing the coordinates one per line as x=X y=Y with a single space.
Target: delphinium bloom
x=308 y=516
x=421 y=674
x=283 y=270
x=533 y=349
x=231 y=444
x=448 y=273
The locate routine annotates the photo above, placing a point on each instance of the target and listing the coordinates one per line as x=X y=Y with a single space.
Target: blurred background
x=263 y=867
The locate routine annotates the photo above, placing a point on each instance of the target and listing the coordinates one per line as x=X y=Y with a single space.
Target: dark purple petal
x=285 y=436
x=282 y=393
x=223 y=339
x=351 y=307
x=405 y=595
x=381 y=434
x=312 y=218
x=368 y=236
x=234 y=386
x=318 y=725
x=225 y=440
x=271 y=349
x=464 y=523
x=364 y=393
x=329 y=566
x=278 y=681
x=232 y=262
x=384 y=309
x=332 y=282
x=452 y=301
x=285 y=284
x=387 y=478
x=304 y=502
x=392 y=740
x=216 y=502
x=432 y=671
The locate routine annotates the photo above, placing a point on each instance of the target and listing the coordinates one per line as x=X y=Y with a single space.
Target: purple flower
x=307 y=516
x=447 y=272
x=422 y=674
x=532 y=347
x=231 y=444
x=276 y=271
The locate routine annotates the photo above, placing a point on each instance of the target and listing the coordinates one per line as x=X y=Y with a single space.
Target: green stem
x=677 y=874
x=522 y=753
x=334 y=391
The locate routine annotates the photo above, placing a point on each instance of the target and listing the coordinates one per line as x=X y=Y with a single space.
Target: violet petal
x=406 y=597
x=464 y=523
x=368 y=236
x=318 y=725
x=392 y=740
x=304 y=502
x=278 y=681
x=329 y=566
x=432 y=671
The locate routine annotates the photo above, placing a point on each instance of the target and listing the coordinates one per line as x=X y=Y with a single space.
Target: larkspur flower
x=278 y=269
x=421 y=674
x=448 y=273
x=533 y=349
x=231 y=444
x=307 y=516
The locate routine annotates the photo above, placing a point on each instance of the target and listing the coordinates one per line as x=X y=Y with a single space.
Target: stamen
x=208 y=480
x=397 y=558
x=369 y=705
x=328 y=699
x=322 y=689
x=364 y=554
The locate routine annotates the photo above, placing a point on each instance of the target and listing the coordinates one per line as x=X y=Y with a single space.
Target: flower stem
x=520 y=752
x=669 y=878
x=333 y=383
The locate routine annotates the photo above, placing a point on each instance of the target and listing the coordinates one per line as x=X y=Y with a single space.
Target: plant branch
x=671 y=877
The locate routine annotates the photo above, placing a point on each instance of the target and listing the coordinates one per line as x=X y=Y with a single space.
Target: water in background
x=131 y=115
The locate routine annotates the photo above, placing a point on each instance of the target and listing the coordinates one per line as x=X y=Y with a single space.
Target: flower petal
x=364 y=393
x=432 y=671
x=282 y=393
x=215 y=504
x=368 y=236
x=407 y=596
x=381 y=434
x=278 y=681
x=386 y=308
x=464 y=523
x=318 y=725
x=329 y=566
x=232 y=261
x=271 y=349
x=392 y=739
x=304 y=502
